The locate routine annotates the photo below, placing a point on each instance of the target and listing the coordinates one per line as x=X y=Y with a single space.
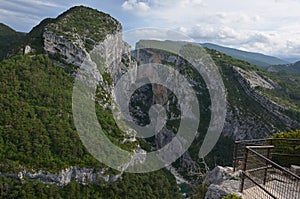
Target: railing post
x=266 y=169
x=271 y=141
x=235 y=155
x=244 y=169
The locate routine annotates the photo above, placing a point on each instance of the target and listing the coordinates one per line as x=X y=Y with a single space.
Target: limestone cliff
x=80 y=175
x=240 y=124
x=96 y=37
x=250 y=114
x=250 y=80
x=63 y=47
x=222 y=181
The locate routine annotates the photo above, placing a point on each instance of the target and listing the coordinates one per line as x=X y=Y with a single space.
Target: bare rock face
x=215 y=192
x=216 y=176
x=222 y=181
x=80 y=175
x=250 y=80
x=102 y=64
x=240 y=126
x=114 y=54
x=254 y=80
x=66 y=49
x=219 y=191
x=239 y=123
x=107 y=54
x=220 y=174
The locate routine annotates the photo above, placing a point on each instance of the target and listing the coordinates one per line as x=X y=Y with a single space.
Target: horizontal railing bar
x=259 y=140
x=261 y=147
x=258 y=169
x=279 y=154
x=255 y=147
x=273 y=163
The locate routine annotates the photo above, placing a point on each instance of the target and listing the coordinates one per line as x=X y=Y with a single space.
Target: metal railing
x=263 y=178
x=278 y=154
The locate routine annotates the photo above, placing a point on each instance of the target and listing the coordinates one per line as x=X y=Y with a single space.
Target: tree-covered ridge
x=258 y=59
x=8 y=38
x=86 y=23
x=36 y=123
x=286 y=68
x=286 y=93
x=79 y=22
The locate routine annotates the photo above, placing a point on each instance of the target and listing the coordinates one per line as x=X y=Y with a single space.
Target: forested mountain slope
x=8 y=38
x=38 y=138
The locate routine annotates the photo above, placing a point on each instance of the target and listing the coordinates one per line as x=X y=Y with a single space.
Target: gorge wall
x=80 y=175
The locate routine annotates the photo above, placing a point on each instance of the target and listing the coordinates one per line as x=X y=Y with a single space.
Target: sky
x=271 y=27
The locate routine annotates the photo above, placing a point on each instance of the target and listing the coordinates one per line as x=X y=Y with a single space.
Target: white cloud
x=177 y=3
x=136 y=6
x=270 y=26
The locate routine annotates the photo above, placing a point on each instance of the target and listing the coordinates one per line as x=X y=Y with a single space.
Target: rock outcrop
x=64 y=48
x=222 y=181
x=100 y=66
x=27 y=50
x=239 y=124
x=254 y=80
x=250 y=80
x=77 y=174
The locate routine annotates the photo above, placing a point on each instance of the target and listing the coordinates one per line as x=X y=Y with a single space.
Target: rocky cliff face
x=239 y=123
x=250 y=80
x=185 y=166
x=80 y=175
x=112 y=49
x=222 y=181
x=66 y=49
x=250 y=114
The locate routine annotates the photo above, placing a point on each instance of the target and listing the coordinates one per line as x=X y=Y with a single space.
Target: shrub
x=232 y=196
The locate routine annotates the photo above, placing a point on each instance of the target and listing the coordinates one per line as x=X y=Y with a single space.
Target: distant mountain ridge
x=287 y=68
x=258 y=59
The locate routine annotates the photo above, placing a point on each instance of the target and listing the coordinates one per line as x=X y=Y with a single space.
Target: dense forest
x=37 y=132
